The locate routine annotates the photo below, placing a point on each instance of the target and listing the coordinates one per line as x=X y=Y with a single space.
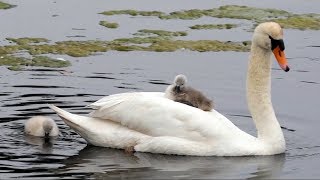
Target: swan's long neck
x=259 y=97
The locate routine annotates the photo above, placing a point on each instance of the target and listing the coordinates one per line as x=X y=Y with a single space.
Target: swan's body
x=180 y=92
x=41 y=126
x=149 y=122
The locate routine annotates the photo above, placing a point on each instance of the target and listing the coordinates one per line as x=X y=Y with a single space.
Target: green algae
x=246 y=43
x=159 y=35
x=15 y=68
x=143 y=40
x=45 y=61
x=164 y=42
x=187 y=14
x=248 y=13
x=10 y=49
x=27 y=40
x=213 y=26
x=17 y=63
x=86 y=48
x=228 y=11
x=109 y=24
x=71 y=48
x=257 y=15
x=174 y=45
x=199 y=45
x=132 y=13
x=302 y=22
x=129 y=48
x=158 y=41
x=144 y=32
x=5 y=5
x=139 y=40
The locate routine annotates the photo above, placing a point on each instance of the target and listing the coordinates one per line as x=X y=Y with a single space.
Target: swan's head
x=180 y=82
x=269 y=36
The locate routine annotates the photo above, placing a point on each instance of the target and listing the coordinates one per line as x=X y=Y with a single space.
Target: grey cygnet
x=182 y=93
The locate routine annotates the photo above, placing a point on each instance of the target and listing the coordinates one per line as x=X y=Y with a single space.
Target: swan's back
x=154 y=115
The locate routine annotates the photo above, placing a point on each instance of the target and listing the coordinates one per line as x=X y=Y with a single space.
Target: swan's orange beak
x=281 y=58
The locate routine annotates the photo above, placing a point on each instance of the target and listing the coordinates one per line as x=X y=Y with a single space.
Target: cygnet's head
x=180 y=82
x=48 y=124
x=41 y=126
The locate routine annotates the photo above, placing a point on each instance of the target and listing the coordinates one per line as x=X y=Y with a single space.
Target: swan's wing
x=152 y=114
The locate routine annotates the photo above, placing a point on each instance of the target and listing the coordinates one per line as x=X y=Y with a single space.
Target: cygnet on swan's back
x=41 y=126
x=182 y=93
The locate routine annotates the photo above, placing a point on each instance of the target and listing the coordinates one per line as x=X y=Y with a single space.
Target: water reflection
x=106 y=163
x=45 y=144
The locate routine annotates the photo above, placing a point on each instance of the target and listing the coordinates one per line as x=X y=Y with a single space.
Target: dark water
x=220 y=75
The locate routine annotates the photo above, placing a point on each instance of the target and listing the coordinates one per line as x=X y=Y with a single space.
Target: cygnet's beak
x=46 y=134
x=177 y=88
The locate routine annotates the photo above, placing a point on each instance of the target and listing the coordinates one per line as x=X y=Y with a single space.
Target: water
x=220 y=75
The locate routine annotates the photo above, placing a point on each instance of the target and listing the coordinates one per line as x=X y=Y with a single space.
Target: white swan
x=41 y=126
x=148 y=122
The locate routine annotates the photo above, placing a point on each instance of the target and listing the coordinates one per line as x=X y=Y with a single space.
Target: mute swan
x=149 y=122
x=41 y=126
x=182 y=93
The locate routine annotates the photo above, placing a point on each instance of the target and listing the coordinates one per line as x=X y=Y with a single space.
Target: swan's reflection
x=105 y=162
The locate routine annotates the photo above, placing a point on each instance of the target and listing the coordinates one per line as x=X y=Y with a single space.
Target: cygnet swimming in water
x=41 y=126
x=182 y=93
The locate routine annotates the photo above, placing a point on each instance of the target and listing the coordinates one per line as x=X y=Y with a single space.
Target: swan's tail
x=62 y=113
x=100 y=132
x=76 y=122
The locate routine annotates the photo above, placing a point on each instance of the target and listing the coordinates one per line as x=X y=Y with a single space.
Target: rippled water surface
x=220 y=75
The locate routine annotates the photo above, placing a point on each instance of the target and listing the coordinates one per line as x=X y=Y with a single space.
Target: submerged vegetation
x=228 y=11
x=133 y=13
x=300 y=22
x=14 y=62
x=17 y=63
x=145 y=40
x=143 y=32
x=161 y=41
x=5 y=5
x=286 y=19
x=214 y=26
x=109 y=24
x=24 y=41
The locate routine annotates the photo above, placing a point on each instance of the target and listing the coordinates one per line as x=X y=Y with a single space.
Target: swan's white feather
x=152 y=114
x=106 y=133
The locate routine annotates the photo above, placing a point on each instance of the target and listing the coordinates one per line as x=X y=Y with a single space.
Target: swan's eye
x=276 y=43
